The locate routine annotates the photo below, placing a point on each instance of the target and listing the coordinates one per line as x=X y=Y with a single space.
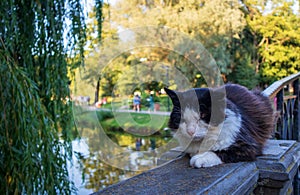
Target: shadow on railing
x=285 y=95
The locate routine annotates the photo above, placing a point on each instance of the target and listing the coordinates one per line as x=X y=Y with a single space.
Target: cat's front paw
x=206 y=159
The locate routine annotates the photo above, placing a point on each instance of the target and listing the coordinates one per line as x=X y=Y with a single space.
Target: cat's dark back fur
x=257 y=121
x=254 y=107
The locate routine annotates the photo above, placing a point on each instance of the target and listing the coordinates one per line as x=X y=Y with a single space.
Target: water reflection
x=90 y=174
x=92 y=170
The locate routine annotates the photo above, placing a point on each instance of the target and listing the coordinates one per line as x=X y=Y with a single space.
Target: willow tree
x=35 y=116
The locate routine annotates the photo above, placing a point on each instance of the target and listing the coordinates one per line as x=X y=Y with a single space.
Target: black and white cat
x=223 y=125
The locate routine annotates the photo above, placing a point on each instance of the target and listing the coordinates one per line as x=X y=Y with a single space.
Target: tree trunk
x=97 y=91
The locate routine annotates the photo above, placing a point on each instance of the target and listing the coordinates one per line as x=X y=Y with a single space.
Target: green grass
x=143 y=124
x=135 y=123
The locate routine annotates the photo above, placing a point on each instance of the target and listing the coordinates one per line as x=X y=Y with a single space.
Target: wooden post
x=296 y=129
x=278 y=168
x=296 y=113
x=280 y=122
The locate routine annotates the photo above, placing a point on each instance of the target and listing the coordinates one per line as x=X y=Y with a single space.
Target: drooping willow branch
x=38 y=39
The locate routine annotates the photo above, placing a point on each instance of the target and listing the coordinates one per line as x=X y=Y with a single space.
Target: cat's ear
x=173 y=95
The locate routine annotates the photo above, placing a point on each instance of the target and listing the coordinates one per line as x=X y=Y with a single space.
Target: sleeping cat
x=223 y=125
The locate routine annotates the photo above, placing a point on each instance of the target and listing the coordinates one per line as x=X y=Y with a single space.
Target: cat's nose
x=191 y=132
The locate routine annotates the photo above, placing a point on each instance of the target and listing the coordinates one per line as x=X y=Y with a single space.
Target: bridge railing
x=285 y=95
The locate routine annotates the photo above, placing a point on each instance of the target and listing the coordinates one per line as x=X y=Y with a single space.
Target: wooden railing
x=285 y=94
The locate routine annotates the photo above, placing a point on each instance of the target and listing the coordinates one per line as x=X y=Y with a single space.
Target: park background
x=47 y=46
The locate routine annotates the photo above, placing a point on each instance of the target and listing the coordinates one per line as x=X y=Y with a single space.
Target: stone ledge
x=279 y=160
x=177 y=177
x=278 y=167
x=271 y=173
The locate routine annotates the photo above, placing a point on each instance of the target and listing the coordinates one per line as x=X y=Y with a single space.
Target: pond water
x=98 y=163
x=91 y=174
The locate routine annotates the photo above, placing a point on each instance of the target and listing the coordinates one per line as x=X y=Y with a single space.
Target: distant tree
x=90 y=75
x=213 y=23
x=275 y=25
x=243 y=57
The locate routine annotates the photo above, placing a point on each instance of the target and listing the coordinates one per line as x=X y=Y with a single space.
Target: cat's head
x=195 y=109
